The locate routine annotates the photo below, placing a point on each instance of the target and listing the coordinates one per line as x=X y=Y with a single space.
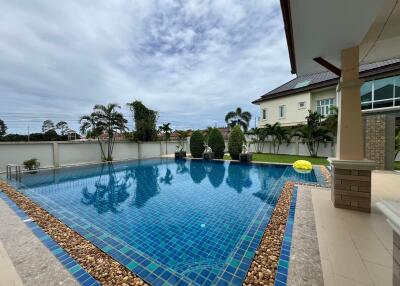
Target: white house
x=290 y=102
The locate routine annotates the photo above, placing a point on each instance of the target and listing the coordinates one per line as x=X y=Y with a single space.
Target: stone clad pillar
x=351 y=173
x=379 y=139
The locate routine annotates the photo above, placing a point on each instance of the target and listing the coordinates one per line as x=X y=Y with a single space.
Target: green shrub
x=216 y=142
x=31 y=164
x=235 y=143
x=197 y=144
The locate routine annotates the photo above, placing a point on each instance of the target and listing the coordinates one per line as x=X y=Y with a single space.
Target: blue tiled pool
x=170 y=222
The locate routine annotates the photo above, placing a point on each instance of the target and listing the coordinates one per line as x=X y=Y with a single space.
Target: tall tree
x=3 y=128
x=47 y=125
x=145 y=121
x=104 y=120
x=238 y=117
x=165 y=130
x=63 y=127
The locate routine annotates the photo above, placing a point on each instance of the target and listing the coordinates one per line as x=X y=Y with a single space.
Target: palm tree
x=278 y=135
x=165 y=129
x=313 y=133
x=259 y=135
x=238 y=117
x=331 y=121
x=104 y=120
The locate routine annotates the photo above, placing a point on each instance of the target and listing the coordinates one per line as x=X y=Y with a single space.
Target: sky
x=192 y=61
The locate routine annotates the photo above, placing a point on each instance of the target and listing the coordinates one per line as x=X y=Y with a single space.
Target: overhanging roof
x=328 y=79
x=323 y=28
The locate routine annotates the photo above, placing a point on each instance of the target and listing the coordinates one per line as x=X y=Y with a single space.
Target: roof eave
x=287 y=21
x=366 y=75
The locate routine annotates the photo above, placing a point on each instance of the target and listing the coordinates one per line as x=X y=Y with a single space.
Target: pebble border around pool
x=76 y=270
x=284 y=258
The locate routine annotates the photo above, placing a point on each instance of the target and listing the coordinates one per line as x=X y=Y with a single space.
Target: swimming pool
x=177 y=222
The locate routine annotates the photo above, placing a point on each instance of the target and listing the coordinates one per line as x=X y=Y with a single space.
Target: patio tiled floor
x=8 y=274
x=356 y=248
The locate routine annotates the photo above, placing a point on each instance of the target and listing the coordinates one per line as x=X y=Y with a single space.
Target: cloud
x=193 y=61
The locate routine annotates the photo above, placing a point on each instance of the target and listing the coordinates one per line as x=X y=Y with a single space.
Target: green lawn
x=277 y=158
x=397 y=165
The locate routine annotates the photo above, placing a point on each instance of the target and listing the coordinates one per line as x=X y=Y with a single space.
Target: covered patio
x=355 y=241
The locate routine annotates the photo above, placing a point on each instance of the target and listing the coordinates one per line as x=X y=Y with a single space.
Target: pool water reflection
x=181 y=222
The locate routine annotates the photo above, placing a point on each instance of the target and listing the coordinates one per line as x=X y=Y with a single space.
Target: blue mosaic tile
x=169 y=222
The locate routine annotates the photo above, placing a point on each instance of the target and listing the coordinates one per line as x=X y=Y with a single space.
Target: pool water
x=170 y=222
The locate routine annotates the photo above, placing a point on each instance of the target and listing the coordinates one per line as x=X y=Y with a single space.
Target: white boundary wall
x=55 y=154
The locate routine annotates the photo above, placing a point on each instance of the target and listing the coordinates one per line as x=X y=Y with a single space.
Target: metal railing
x=18 y=171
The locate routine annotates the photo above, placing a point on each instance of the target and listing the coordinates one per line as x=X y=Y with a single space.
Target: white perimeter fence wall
x=55 y=154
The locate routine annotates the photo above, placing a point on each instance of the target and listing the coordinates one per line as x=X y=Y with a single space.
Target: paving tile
x=343 y=281
x=381 y=275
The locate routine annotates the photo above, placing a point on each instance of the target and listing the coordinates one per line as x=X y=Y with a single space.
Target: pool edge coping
x=71 y=265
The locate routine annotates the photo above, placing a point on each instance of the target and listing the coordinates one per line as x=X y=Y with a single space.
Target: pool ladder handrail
x=18 y=171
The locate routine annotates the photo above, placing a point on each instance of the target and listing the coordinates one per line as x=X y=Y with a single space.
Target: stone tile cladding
x=375 y=141
x=352 y=189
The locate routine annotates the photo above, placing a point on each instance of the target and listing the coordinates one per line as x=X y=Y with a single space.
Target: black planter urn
x=180 y=154
x=246 y=158
x=208 y=156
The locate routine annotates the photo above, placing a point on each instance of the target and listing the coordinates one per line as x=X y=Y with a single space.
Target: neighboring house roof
x=325 y=79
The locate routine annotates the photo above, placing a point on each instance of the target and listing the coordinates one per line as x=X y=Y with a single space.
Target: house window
x=301 y=105
x=264 y=114
x=380 y=93
x=282 y=111
x=324 y=106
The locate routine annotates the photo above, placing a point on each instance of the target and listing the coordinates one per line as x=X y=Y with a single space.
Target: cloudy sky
x=192 y=61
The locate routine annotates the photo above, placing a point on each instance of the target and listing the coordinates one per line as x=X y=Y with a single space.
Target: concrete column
x=56 y=155
x=351 y=173
x=350 y=143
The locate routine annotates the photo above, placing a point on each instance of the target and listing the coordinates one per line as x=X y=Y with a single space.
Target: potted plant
x=245 y=156
x=32 y=165
x=208 y=153
x=180 y=153
x=182 y=137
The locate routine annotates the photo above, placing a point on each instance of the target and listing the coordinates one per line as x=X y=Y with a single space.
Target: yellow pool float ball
x=302 y=166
